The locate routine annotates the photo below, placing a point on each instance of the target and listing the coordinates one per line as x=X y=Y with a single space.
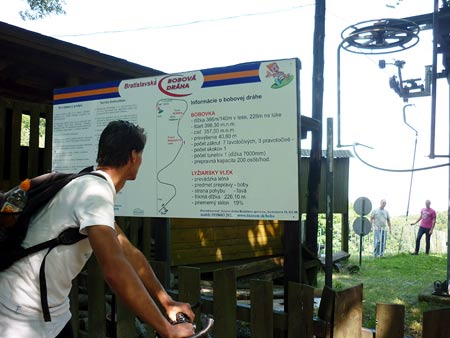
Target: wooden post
x=300 y=311
x=160 y=269
x=436 y=323
x=96 y=300
x=161 y=233
x=189 y=288
x=147 y=238
x=135 y=224
x=347 y=313
x=344 y=232
x=261 y=310
x=162 y=272
x=75 y=308
x=16 y=123
x=126 y=326
x=341 y=312
x=292 y=256
x=390 y=319
x=3 y=130
x=224 y=307
x=315 y=162
x=325 y=312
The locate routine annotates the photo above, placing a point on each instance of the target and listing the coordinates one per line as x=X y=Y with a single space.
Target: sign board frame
x=222 y=142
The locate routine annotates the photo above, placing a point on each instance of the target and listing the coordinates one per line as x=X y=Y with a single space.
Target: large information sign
x=221 y=143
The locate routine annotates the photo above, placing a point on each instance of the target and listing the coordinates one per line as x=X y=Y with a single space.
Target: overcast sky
x=176 y=36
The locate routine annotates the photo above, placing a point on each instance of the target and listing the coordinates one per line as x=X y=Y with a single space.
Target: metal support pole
x=448 y=206
x=433 y=81
x=329 y=206
x=339 y=96
x=361 y=233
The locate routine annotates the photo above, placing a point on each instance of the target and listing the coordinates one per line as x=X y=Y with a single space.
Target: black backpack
x=14 y=226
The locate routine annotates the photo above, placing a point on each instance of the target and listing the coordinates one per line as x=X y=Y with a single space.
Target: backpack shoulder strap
x=67 y=237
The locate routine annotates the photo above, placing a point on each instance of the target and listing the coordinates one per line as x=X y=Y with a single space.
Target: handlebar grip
x=182 y=318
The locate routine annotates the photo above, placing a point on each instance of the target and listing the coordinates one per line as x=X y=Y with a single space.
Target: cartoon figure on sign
x=280 y=77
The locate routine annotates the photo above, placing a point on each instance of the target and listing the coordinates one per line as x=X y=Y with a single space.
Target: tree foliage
x=25 y=131
x=42 y=8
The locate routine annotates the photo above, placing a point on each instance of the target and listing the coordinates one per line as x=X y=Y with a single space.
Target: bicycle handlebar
x=206 y=329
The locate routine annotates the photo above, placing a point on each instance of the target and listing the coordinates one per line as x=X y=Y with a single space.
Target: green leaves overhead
x=42 y=8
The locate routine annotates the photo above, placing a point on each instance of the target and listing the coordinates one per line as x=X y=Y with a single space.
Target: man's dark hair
x=117 y=141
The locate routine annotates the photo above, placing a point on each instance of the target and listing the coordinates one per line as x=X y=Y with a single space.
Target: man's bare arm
x=148 y=277
x=124 y=281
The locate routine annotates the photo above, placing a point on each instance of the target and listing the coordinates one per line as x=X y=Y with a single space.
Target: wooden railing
x=339 y=314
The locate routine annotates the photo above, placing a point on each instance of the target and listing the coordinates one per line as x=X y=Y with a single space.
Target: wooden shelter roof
x=32 y=65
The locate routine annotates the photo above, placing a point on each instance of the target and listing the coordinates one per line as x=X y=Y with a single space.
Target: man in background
x=427 y=221
x=379 y=219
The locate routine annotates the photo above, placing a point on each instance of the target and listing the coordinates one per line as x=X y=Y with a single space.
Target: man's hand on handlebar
x=182 y=330
x=178 y=307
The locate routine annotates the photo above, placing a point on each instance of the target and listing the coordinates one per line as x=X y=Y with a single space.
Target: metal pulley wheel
x=380 y=36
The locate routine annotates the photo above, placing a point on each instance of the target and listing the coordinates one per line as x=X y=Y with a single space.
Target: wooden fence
x=339 y=314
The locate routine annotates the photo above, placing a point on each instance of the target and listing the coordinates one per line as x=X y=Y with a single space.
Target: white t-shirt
x=380 y=218
x=84 y=202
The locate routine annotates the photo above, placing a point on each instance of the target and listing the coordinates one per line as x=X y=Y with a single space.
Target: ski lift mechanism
x=407 y=89
x=385 y=36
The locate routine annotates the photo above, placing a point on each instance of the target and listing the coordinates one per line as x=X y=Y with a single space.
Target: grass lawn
x=395 y=279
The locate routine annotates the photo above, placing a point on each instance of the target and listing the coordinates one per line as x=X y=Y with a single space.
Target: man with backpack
x=87 y=202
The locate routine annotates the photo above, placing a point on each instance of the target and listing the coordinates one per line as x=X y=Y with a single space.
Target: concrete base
x=427 y=296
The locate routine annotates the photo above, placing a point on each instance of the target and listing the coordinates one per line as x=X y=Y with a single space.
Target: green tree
x=25 y=131
x=42 y=8
x=441 y=220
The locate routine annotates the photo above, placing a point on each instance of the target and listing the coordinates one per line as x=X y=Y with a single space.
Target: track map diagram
x=170 y=113
x=221 y=142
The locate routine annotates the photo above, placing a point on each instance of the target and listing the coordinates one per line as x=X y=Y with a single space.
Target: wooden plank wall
x=195 y=241
x=18 y=162
x=341 y=182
